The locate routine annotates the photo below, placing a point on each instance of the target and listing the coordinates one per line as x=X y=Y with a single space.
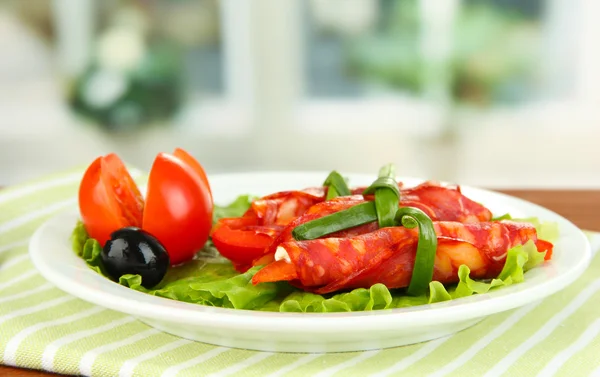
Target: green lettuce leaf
x=304 y=302
x=519 y=259
x=211 y=280
x=219 y=284
x=467 y=286
x=237 y=292
x=401 y=300
x=215 y=285
x=534 y=258
x=78 y=238
x=375 y=298
x=91 y=255
x=438 y=293
x=233 y=209
x=506 y=216
x=513 y=267
x=547 y=230
x=87 y=248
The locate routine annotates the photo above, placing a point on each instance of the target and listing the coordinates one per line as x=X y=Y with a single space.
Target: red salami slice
x=387 y=256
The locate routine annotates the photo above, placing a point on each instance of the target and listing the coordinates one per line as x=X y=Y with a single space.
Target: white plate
x=51 y=253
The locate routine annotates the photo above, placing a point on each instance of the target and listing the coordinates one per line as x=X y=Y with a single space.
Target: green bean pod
x=387 y=196
x=336 y=186
x=422 y=273
x=354 y=216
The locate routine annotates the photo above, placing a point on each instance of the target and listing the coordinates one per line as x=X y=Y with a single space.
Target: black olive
x=134 y=251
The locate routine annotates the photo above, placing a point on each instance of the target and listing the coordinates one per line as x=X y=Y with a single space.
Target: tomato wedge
x=194 y=164
x=240 y=243
x=179 y=206
x=109 y=198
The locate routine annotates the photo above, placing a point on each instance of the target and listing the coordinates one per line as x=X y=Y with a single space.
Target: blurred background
x=496 y=93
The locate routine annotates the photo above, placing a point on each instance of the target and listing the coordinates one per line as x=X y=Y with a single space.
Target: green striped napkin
x=43 y=328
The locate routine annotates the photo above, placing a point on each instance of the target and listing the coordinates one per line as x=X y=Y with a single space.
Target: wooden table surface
x=582 y=207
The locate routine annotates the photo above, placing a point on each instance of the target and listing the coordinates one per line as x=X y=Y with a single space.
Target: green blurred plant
x=493 y=57
x=126 y=100
x=390 y=56
x=134 y=77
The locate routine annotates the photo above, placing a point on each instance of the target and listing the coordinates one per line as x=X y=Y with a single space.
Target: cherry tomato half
x=179 y=207
x=194 y=164
x=109 y=198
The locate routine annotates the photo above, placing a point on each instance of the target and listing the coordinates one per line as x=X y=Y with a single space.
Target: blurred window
x=130 y=63
x=148 y=60
x=497 y=52
x=378 y=62
x=190 y=27
x=482 y=51
x=361 y=47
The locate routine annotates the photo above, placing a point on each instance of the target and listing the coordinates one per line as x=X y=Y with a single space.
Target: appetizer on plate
x=325 y=248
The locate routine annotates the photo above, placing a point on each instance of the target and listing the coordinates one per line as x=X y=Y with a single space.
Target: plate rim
x=194 y=314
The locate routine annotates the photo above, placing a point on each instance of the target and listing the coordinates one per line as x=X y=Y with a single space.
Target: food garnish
x=325 y=248
x=133 y=251
x=177 y=209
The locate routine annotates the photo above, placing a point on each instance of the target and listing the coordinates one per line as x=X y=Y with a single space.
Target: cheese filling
x=281 y=254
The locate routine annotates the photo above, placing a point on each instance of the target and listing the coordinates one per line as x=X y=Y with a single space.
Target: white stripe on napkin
x=30 y=216
x=22 y=220
x=558 y=361
x=595 y=372
x=11 y=246
x=87 y=361
x=172 y=371
x=37 y=308
x=37 y=187
x=129 y=366
x=10 y=353
x=13 y=261
x=467 y=355
x=51 y=349
x=301 y=361
x=32 y=291
x=18 y=279
x=413 y=358
x=503 y=365
x=346 y=364
x=64 y=180
x=256 y=358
